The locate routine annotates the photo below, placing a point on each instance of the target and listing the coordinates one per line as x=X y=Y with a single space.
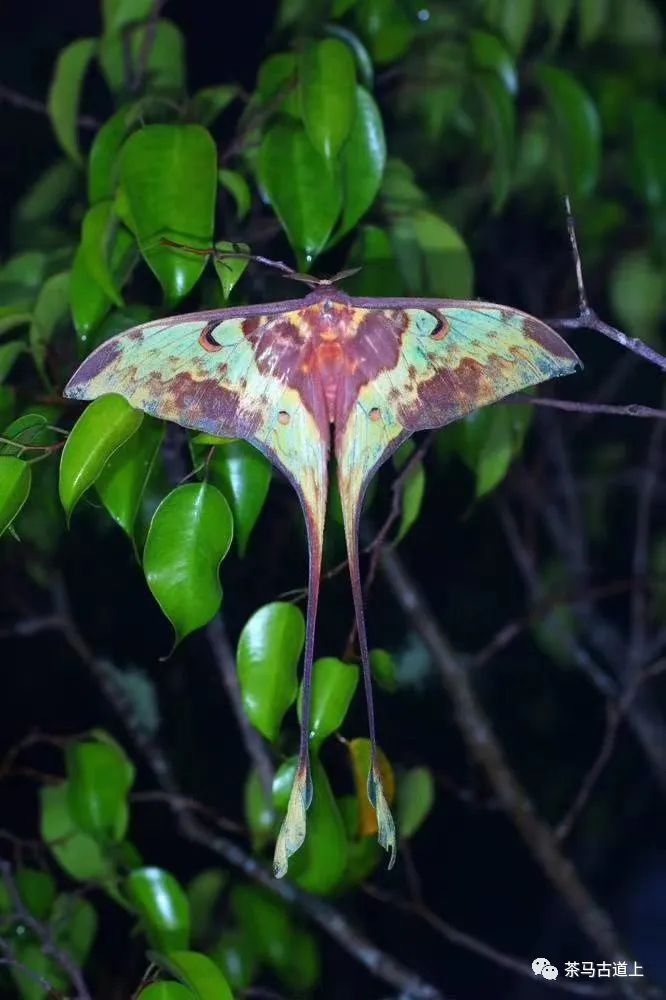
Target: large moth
x=294 y=377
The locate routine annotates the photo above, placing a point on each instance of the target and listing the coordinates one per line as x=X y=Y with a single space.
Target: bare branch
x=600 y=409
x=17 y=100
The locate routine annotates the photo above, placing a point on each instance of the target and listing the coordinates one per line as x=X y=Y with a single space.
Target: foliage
x=379 y=134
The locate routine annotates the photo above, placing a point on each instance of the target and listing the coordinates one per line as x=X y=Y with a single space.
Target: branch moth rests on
x=294 y=377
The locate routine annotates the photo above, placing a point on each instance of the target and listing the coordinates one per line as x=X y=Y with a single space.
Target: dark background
x=475 y=869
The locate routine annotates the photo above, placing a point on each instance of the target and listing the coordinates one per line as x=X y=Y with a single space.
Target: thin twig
x=641 y=555
x=12 y=961
x=26 y=103
x=595 y=923
x=573 y=406
x=44 y=934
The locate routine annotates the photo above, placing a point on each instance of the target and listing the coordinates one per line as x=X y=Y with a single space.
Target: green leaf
x=123 y=480
x=488 y=441
x=319 y=865
x=277 y=76
x=373 y=253
x=416 y=796
x=513 y=20
x=189 y=536
x=230 y=269
x=197 y=972
x=500 y=116
x=266 y=921
x=577 y=131
x=303 y=191
x=65 y=93
x=9 y=355
x=638 y=294
x=302 y=971
x=75 y=923
x=99 y=231
x=489 y=56
x=29 y=429
x=384 y=669
x=165 y=69
x=334 y=684
x=238 y=188
x=99 y=779
x=557 y=13
x=169 y=175
x=243 y=475
x=649 y=141
x=88 y=300
x=119 y=13
x=236 y=955
x=362 y=161
x=105 y=425
x=432 y=255
x=327 y=85
x=76 y=853
x=104 y=153
x=592 y=17
x=47 y=194
x=51 y=307
x=11 y=317
x=386 y=26
x=363 y=61
x=413 y=490
x=161 y=903
x=258 y=810
x=15 y=479
x=37 y=890
x=203 y=895
x=165 y=991
x=269 y=648
x=209 y=103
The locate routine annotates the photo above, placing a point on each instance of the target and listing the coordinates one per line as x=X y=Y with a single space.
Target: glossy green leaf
x=65 y=93
x=37 y=890
x=104 y=153
x=266 y=920
x=258 y=809
x=100 y=230
x=160 y=901
x=638 y=294
x=189 y=536
x=592 y=17
x=88 y=301
x=489 y=55
x=169 y=176
x=123 y=480
x=165 y=991
x=77 y=853
x=304 y=192
x=386 y=27
x=413 y=489
x=269 y=649
x=50 y=309
x=319 y=865
x=489 y=440
x=327 y=85
x=75 y=922
x=649 y=141
x=165 y=69
x=198 y=972
x=384 y=669
x=203 y=895
x=207 y=104
x=119 y=13
x=105 y=425
x=230 y=269
x=364 y=65
x=415 y=799
x=277 y=83
x=432 y=255
x=238 y=188
x=243 y=475
x=513 y=20
x=15 y=480
x=27 y=430
x=334 y=684
x=577 y=131
x=362 y=161
x=99 y=779
x=235 y=953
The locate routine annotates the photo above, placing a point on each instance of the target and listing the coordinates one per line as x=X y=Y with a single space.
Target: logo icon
x=542 y=967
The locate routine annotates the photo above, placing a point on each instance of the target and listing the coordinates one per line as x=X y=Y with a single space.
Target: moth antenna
x=386 y=834
x=277 y=265
x=292 y=831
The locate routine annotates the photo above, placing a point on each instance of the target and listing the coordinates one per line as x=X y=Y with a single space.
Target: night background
x=522 y=613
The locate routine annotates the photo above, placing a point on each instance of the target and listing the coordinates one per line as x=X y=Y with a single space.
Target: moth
x=297 y=377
